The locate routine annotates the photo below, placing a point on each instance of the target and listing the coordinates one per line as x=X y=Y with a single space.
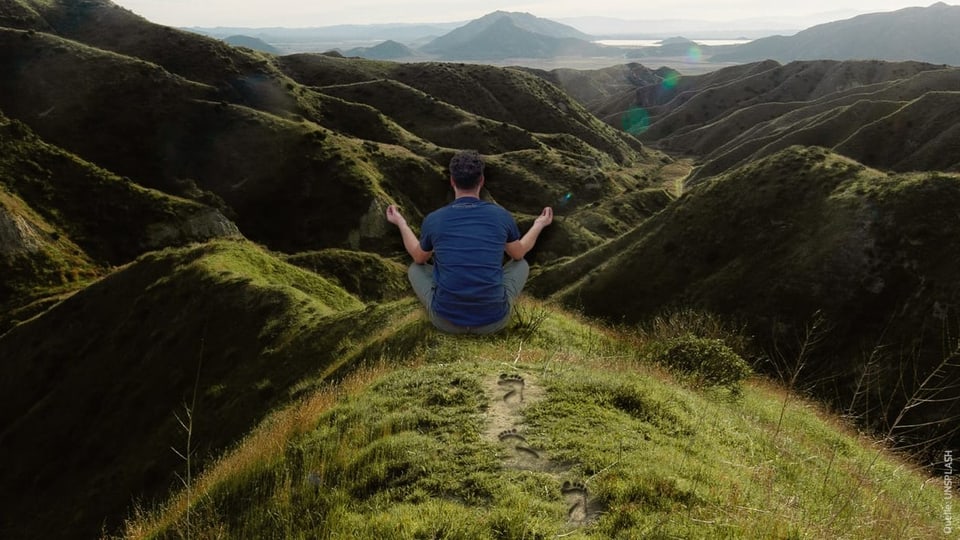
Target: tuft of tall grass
x=680 y=322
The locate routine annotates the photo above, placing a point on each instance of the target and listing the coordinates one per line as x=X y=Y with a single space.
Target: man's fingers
x=393 y=215
x=547 y=214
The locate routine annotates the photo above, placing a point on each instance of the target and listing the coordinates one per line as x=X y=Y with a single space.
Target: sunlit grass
x=402 y=450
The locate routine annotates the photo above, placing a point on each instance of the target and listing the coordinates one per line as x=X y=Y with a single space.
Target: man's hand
x=545 y=218
x=410 y=242
x=394 y=216
x=519 y=248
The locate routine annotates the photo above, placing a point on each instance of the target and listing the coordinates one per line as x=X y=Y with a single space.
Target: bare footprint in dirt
x=513 y=384
x=511 y=435
x=519 y=444
x=575 y=495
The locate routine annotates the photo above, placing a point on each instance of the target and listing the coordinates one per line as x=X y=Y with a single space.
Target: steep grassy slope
x=793 y=82
x=433 y=120
x=558 y=428
x=364 y=275
x=679 y=104
x=19 y=14
x=607 y=92
x=36 y=260
x=804 y=234
x=112 y=218
x=911 y=118
x=499 y=94
x=866 y=110
x=239 y=75
x=177 y=140
x=92 y=389
x=922 y=135
x=66 y=220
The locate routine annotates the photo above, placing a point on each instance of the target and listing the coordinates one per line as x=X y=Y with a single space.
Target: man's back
x=467 y=238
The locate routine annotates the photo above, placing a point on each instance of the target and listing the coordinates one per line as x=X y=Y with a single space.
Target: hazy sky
x=305 y=13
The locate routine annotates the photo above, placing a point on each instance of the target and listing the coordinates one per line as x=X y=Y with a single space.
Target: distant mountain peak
x=474 y=34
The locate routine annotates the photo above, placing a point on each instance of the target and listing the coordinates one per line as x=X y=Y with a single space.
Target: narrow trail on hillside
x=510 y=394
x=674 y=175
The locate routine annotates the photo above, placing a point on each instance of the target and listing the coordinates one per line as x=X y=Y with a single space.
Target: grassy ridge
x=75 y=220
x=92 y=388
x=603 y=445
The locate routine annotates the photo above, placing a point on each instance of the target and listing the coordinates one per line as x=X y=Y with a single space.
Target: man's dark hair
x=466 y=168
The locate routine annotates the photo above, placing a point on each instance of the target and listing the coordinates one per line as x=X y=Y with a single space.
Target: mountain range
x=193 y=251
x=918 y=33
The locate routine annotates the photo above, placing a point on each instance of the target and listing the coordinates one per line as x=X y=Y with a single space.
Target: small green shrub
x=675 y=323
x=707 y=360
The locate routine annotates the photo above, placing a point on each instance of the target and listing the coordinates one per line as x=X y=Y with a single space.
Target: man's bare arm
x=519 y=248
x=410 y=241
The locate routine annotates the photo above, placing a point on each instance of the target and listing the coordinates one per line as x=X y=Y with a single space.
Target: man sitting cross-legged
x=468 y=289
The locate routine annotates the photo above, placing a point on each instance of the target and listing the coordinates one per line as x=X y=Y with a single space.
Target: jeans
x=514 y=277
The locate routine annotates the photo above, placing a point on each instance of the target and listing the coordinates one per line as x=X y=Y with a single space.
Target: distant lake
x=658 y=42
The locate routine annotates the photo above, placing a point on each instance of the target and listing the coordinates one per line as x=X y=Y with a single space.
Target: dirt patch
x=17 y=235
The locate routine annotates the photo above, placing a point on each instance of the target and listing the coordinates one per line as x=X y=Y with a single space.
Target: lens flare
x=670 y=81
x=694 y=54
x=636 y=120
x=566 y=198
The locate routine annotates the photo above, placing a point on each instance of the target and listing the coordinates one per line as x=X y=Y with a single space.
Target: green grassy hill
x=805 y=234
x=734 y=115
x=557 y=428
x=93 y=387
x=66 y=221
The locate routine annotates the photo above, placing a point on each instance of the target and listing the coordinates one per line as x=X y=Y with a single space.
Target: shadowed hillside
x=65 y=221
x=90 y=405
x=608 y=91
x=704 y=101
x=503 y=95
x=805 y=234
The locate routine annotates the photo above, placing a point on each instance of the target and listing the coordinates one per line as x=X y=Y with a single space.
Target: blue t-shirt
x=467 y=238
